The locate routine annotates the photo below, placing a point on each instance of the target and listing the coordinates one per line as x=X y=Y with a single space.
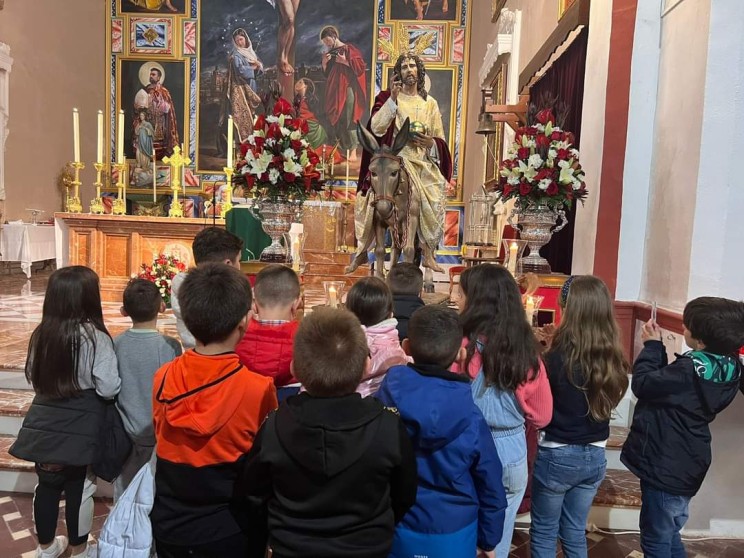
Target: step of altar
x=327 y=257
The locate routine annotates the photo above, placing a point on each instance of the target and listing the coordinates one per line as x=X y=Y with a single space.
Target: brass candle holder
x=96 y=204
x=120 y=204
x=176 y=161
x=227 y=204
x=72 y=203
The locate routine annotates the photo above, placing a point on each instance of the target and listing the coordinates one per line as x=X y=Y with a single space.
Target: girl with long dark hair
x=72 y=367
x=588 y=376
x=510 y=384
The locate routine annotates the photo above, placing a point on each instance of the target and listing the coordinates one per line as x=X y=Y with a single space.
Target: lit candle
x=348 y=153
x=296 y=250
x=512 y=266
x=332 y=163
x=99 y=150
x=322 y=164
x=529 y=308
x=120 y=139
x=229 y=141
x=332 y=299
x=183 y=177
x=76 y=134
x=154 y=176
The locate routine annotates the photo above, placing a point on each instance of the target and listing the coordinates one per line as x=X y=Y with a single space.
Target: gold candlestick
x=343 y=247
x=120 y=204
x=176 y=162
x=227 y=204
x=72 y=203
x=96 y=204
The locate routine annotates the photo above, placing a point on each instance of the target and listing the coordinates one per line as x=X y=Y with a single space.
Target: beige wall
x=683 y=60
x=540 y=18
x=58 y=55
x=481 y=32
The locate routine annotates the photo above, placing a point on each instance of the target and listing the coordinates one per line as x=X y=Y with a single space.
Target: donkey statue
x=395 y=202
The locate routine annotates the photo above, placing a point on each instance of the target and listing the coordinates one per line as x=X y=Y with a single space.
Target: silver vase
x=276 y=216
x=537 y=223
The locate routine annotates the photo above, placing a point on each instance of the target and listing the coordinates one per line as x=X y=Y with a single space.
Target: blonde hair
x=589 y=339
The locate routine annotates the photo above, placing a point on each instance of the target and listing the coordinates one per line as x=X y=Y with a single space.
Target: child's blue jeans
x=662 y=517
x=564 y=483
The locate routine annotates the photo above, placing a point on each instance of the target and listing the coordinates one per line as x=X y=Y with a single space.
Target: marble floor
x=21 y=304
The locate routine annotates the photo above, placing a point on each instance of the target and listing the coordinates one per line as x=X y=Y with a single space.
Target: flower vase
x=276 y=216
x=536 y=225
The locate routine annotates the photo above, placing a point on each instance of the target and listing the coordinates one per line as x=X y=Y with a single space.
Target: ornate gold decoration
x=96 y=204
x=401 y=44
x=72 y=203
x=176 y=162
x=227 y=204
x=120 y=203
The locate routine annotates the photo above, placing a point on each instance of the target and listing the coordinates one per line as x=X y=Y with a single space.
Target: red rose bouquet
x=276 y=160
x=542 y=166
x=163 y=269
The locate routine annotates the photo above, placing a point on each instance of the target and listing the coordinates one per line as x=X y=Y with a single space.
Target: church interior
x=554 y=138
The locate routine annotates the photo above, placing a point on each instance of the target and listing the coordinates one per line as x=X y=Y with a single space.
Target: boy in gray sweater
x=140 y=351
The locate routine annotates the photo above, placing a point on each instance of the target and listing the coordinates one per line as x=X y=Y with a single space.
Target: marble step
x=323 y=268
x=318 y=256
x=617 y=504
x=618 y=435
x=14 y=404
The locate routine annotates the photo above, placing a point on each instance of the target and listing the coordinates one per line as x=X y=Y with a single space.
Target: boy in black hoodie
x=406 y=282
x=336 y=471
x=669 y=443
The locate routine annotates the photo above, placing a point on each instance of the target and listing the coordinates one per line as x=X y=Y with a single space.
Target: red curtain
x=565 y=80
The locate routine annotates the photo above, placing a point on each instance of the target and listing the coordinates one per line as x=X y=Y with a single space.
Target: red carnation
x=556 y=136
x=563 y=154
x=264 y=177
x=531 y=131
x=290 y=177
x=543 y=173
x=543 y=141
x=552 y=189
x=260 y=122
x=296 y=145
x=259 y=142
x=244 y=149
x=312 y=156
x=523 y=152
x=508 y=189
x=282 y=106
x=524 y=188
x=250 y=180
x=545 y=116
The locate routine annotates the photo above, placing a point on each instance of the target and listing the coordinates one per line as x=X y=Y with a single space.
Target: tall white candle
x=76 y=134
x=154 y=176
x=332 y=297
x=99 y=136
x=183 y=176
x=348 y=154
x=512 y=265
x=529 y=308
x=120 y=139
x=229 y=141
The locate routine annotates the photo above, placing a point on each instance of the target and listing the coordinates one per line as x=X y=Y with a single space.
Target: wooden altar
x=115 y=246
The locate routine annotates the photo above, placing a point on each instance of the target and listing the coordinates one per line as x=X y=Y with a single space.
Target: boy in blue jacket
x=460 y=502
x=669 y=445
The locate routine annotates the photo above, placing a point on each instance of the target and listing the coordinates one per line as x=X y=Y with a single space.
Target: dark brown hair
x=717 y=322
x=589 y=340
x=71 y=313
x=142 y=300
x=214 y=298
x=494 y=315
x=405 y=279
x=420 y=72
x=330 y=352
x=276 y=285
x=215 y=244
x=370 y=300
x=434 y=335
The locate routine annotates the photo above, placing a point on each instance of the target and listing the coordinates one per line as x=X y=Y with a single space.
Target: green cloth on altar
x=241 y=222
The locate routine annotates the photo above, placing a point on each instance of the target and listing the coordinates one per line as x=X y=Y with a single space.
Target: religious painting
x=252 y=49
x=151 y=94
x=176 y=7
x=189 y=37
x=430 y=38
x=426 y=10
x=457 y=46
x=117 y=40
x=440 y=84
x=453 y=229
x=151 y=35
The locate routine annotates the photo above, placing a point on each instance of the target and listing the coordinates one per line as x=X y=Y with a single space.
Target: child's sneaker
x=57 y=548
x=89 y=552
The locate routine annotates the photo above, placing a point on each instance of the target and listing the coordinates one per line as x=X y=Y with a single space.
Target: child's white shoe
x=56 y=549
x=89 y=552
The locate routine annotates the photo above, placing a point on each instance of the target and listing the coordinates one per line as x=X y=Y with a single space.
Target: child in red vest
x=266 y=347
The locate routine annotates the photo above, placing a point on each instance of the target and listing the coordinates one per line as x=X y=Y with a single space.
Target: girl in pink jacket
x=371 y=301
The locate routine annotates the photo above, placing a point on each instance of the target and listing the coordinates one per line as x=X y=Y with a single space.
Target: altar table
x=27 y=243
x=115 y=246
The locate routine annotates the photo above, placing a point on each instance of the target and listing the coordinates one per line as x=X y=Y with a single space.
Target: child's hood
x=435 y=404
x=327 y=435
x=200 y=393
x=718 y=377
